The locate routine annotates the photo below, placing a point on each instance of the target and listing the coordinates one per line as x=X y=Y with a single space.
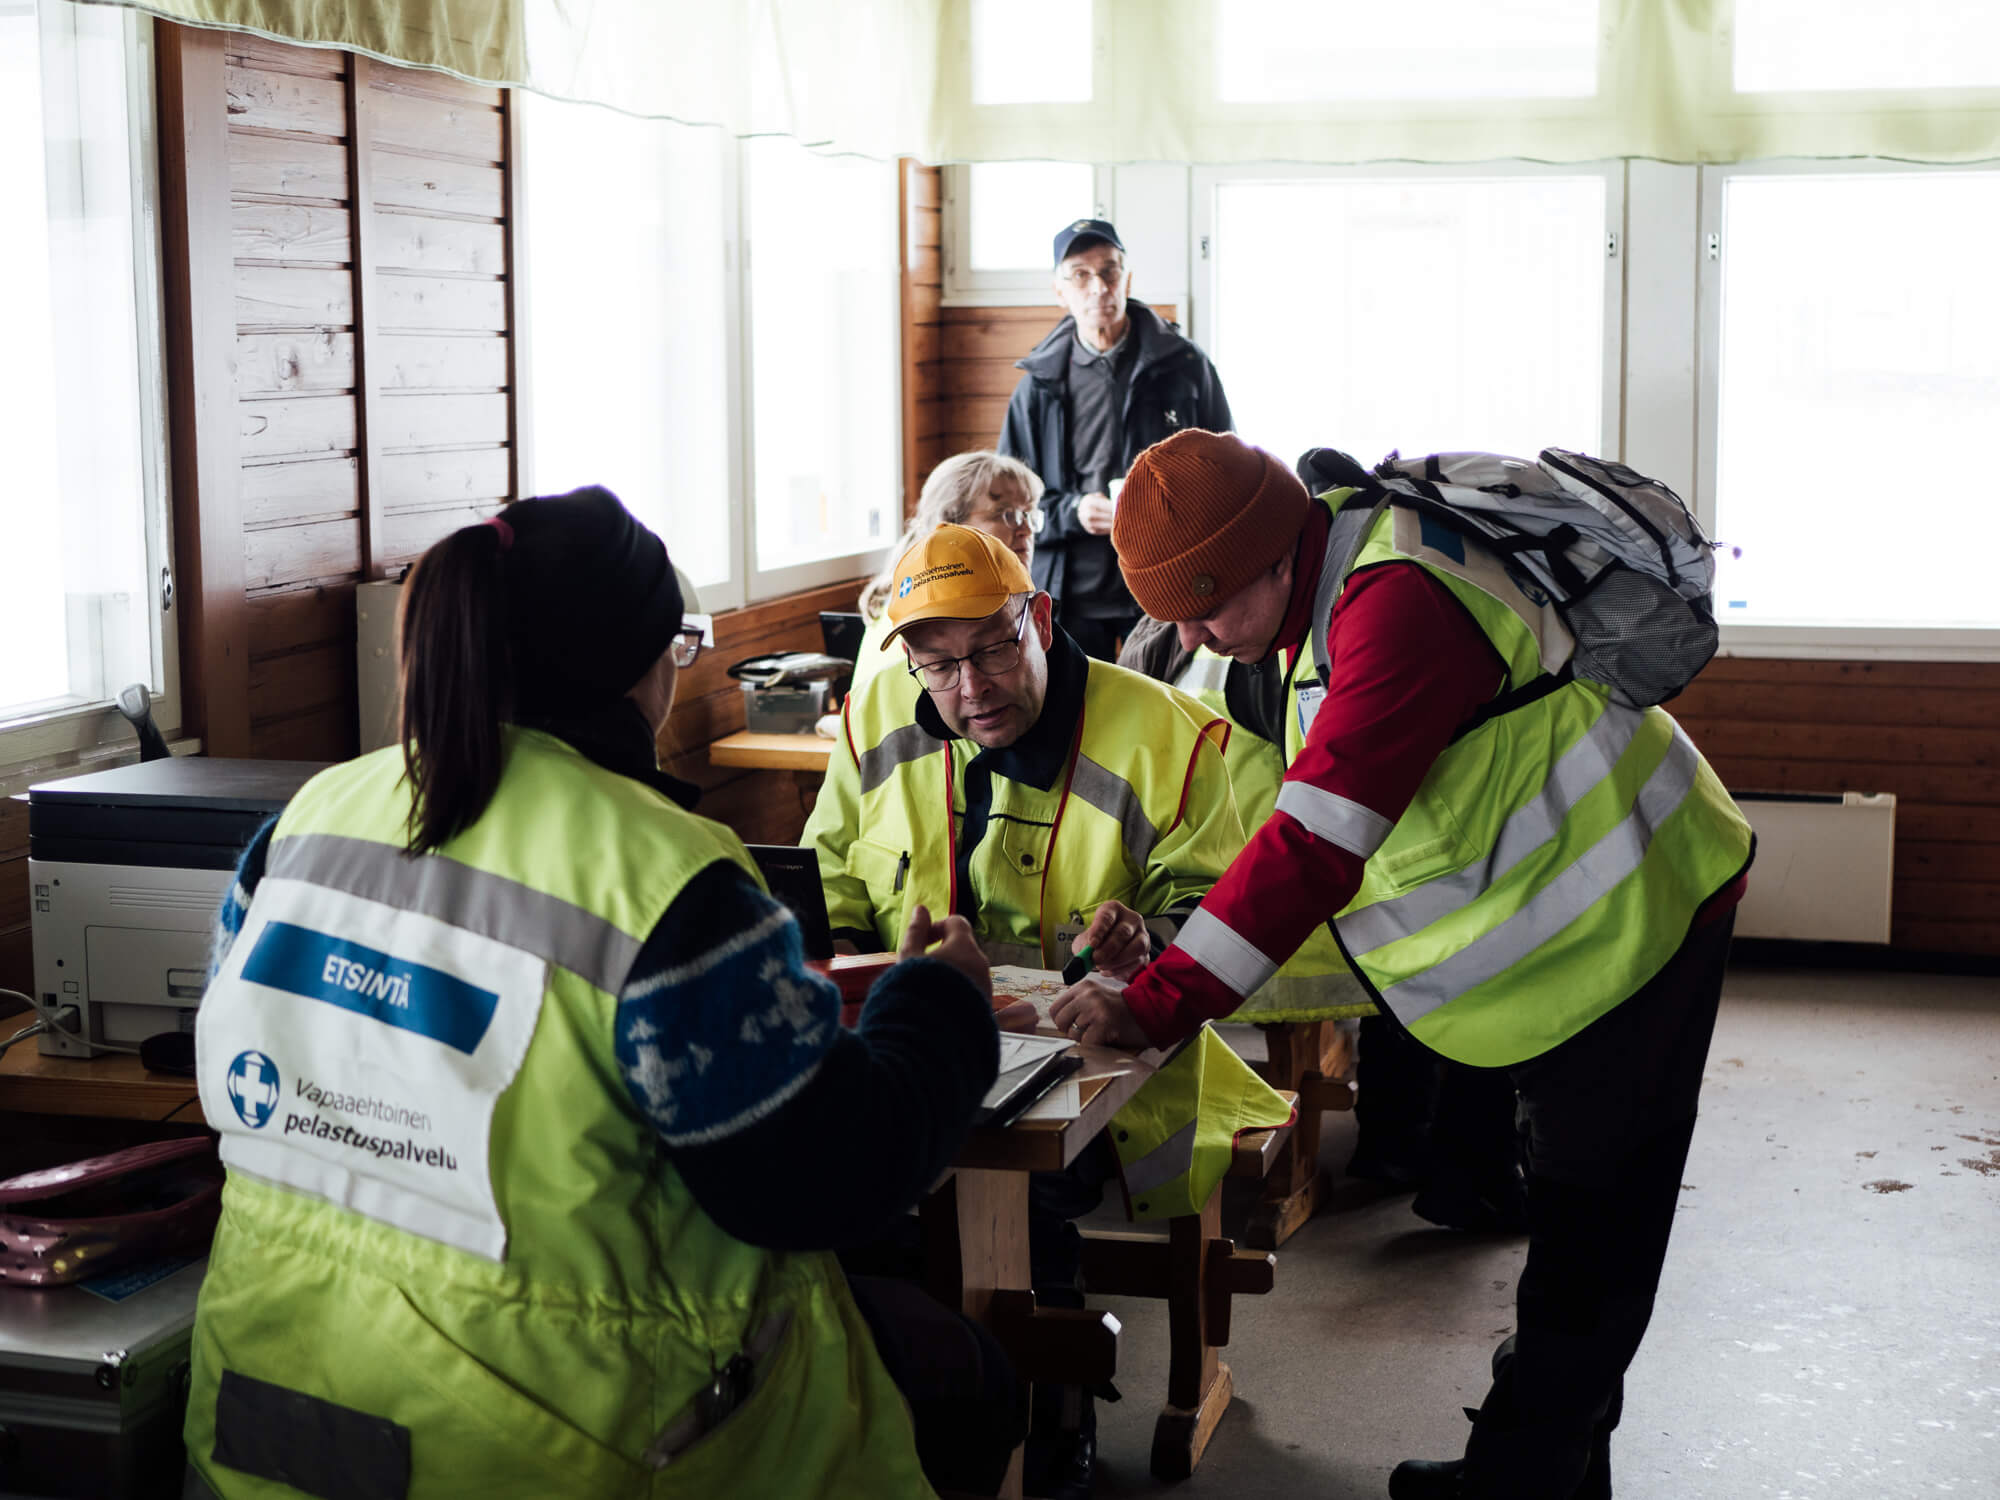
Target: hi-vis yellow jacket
x=1141 y=813
x=1315 y=983
x=1553 y=859
x=443 y=1210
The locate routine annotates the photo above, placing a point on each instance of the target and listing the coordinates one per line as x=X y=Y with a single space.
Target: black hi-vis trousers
x=1609 y=1115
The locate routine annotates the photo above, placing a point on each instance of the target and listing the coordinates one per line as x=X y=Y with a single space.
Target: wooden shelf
x=772 y=752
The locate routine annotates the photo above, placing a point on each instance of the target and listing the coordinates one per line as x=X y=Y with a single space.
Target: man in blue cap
x=1112 y=379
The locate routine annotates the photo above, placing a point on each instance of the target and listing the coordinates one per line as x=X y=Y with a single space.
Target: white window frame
x=72 y=738
x=1814 y=642
x=762 y=583
x=1204 y=247
x=1028 y=286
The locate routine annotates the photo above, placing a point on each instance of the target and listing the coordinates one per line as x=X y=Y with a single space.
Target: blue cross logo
x=904 y=591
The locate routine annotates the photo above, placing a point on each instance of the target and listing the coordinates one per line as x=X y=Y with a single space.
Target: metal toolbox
x=93 y=1392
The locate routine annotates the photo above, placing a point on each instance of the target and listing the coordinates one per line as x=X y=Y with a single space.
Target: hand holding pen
x=1116 y=943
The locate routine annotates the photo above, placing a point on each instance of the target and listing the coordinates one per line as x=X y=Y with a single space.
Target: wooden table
x=975 y=1227
x=114 y=1086
x=772 y=752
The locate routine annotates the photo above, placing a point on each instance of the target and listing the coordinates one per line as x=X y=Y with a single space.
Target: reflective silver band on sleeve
x=1218 y=948
x=1337 y=819
x=1115 y=797
x=898 y=747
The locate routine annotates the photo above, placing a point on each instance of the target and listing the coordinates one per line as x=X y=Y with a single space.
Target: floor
x=1829 y=1321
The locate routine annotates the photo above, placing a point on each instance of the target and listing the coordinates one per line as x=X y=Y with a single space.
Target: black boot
x=1060 y=1462
x=1428 y=1479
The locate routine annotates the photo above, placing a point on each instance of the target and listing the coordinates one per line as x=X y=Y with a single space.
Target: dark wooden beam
x=202 y=418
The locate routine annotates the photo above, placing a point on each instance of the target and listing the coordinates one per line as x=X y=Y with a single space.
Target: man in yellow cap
x=1056 y=801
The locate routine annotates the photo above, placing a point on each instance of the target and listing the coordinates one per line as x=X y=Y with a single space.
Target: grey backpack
x=1619 y=555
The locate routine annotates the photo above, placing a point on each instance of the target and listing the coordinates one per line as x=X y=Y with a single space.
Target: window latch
x=166 y=589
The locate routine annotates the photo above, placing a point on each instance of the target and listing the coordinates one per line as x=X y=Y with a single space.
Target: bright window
x=82 y=493
x=1858 y=383
x=1420 y=313
x=1805 y=46
x=1031 y=51
x=1330 y=51
x=629 y=381
x=824 y=296
x=1017 y=207
x=713 y=335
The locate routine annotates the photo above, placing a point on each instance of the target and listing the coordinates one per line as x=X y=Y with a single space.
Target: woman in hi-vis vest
x=539 y=1131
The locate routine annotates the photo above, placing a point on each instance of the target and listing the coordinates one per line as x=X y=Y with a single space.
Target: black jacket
x=1172 y=386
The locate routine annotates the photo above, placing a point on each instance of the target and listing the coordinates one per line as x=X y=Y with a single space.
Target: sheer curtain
x=1222 y=81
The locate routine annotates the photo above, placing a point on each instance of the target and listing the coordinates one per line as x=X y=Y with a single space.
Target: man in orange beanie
x=1526 y=873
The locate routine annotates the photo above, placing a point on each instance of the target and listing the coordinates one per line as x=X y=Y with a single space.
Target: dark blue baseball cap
x=1079 y=235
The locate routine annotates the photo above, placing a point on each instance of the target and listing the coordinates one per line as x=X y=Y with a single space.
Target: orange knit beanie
x=1201 y=515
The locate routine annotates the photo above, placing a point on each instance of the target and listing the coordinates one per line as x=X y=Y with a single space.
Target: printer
x=126 y=870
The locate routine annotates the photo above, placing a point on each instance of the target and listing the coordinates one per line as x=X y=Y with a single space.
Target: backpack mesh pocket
x=1638 y=637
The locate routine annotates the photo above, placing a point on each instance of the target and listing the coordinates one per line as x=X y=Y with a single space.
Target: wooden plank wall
x=1927 y=731
x=925 y=440
x=966 y=403
x=365 y=345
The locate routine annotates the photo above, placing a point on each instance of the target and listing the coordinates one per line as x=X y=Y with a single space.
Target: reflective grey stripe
x=491 y=905
x=1166 y=1161
x=898 y=747
x=1344 y=541
x=1582 y=767
x=1339 y=820
x=1218 y=948
x=1562 y=900
x=1117 y=799
x=1204 y=673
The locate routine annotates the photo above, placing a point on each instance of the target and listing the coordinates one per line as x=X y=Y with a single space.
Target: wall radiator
x=1824 y=865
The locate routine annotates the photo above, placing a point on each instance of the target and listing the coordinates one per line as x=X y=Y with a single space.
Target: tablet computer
x=1027 y=1071
x=792 y=873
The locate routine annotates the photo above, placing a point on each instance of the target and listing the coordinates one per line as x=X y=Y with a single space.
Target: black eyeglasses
x=987 y=661
x=686 y=646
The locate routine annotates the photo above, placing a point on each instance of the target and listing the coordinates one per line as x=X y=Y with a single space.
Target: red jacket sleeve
x=1410 y=666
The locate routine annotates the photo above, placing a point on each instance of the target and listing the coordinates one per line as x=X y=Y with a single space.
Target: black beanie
x=591 y=601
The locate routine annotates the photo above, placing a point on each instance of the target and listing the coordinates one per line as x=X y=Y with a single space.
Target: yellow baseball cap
x=955 y=573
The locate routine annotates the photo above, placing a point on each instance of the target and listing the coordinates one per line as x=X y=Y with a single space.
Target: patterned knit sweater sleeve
x=791 y=1132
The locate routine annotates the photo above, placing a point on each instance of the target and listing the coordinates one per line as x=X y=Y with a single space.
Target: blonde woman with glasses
x=983 y=490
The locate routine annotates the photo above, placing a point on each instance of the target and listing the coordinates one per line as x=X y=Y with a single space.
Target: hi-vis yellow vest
x=1143 y=815
x=1556 y=854
x=443 y=1208
x=1315 y=984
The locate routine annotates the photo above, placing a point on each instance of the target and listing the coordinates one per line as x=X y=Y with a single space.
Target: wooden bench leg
x=1198 y=1385
x=1313 y=1058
